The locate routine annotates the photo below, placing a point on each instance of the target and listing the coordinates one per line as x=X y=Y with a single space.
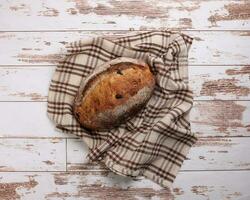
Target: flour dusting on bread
x=114 y=92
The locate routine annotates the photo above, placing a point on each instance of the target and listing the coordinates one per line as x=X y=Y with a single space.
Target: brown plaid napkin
x=155 y=142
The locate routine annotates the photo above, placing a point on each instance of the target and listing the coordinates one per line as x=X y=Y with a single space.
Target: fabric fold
x=153 y=143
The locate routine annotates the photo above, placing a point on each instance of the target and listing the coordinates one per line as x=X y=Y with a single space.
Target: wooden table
x=36 y=162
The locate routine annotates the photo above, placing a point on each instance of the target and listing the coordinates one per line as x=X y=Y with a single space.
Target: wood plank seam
x=66 y=154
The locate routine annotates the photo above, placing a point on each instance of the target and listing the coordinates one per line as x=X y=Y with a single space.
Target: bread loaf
x=114 y=92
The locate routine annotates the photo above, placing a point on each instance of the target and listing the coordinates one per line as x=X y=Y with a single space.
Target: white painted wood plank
x=22 y=119
x=25 y=83
x=220 y=82
x=206 y=154
x=224 y=118
x=50 y=155
x=208 y=118
x=32 y=154
x=215 y=185
x=77 y=151
x=225 y=48
x=42 y=48
x=207 y=82
x=68 y=186
x=219 y=154
x=120 y=15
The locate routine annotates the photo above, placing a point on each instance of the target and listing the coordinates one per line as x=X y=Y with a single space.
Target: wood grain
x=32 y=154
x=34 y=157
x=120 y=15
x=208 y=118
x=25 y=83
x=50 y=155
x=220 y=82
x=103 y=185
x=206 y=154
x=43 y=48
x=207 y=82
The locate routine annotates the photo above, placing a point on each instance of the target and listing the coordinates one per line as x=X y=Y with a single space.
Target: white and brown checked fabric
x=155 y=142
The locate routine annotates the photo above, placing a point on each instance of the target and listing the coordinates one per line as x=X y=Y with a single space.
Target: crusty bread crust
x=114 y=92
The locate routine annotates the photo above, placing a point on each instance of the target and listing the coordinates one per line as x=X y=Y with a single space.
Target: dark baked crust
x=114 y=94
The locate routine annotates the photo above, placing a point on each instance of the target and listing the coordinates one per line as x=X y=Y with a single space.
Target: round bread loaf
x=114 y=92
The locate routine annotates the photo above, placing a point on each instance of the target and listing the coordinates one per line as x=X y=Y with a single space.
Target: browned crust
x=122 y=66
x=118 y=93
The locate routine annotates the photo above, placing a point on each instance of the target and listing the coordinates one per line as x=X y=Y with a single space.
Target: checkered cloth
x=154 y=142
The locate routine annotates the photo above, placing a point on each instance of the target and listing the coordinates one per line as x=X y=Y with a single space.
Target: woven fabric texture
x=154 y=142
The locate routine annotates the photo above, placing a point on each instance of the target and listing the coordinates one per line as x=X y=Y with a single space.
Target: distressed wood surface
x=43 y=48
x=206 y=154
x=207 y=82
x=52 y=155
x=220 y=82
x=215 y=185
x=34 y=88
x=32 y=154
x=208 y=118
x=25 y=119
x=124 y=15
x=221 y=118
x=38 y=162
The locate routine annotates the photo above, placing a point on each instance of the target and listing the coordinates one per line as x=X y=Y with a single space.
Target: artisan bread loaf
x=114 y=92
